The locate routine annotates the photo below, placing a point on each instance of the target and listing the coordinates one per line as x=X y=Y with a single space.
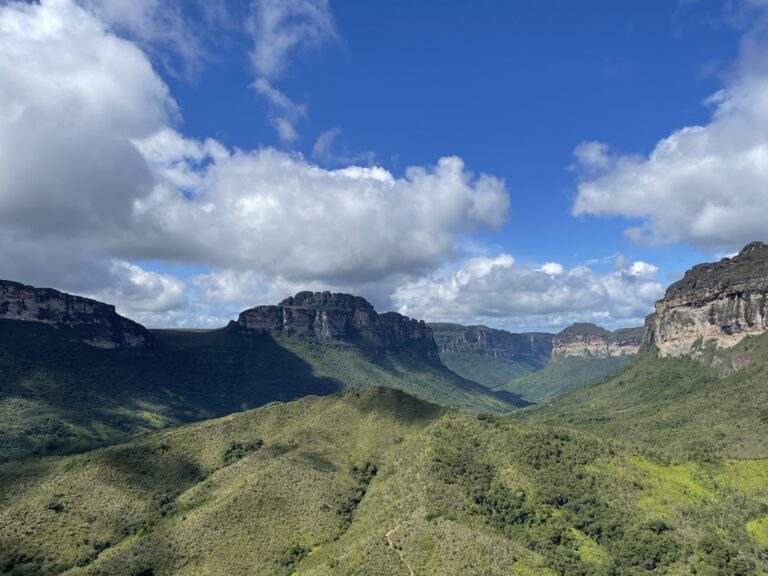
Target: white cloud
x=324 y=151
x=92 y=173
x=279 y=214
x=704 y=185
x=285 y=113
x=167 y=28
x=280 y=28
x=497 y=292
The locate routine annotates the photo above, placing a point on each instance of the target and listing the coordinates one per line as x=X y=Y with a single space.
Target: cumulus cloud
x=278 y=213
x=93 y=178
x=704 y=185
x=498 y=292
x=280 y=28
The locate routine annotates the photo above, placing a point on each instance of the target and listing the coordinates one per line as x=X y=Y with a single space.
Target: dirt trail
x=399 y=552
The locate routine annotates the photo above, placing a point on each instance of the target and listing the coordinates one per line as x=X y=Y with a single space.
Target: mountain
x=581 y=353
x=586 y=340
x=698 y=389
x=76 y=375
x=79 y=319
x=489 y=356
x=378 y=482
x=713 y=305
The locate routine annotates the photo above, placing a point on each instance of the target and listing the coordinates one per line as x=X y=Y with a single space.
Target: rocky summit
x=92 y=322
x=714 y=305
x=330 y=316
x=586 y=340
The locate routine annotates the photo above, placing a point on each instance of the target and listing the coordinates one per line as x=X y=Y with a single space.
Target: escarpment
x=586 y=340
x=89 y=321
x=714 y=305
x=328 y=316
x=492 y=343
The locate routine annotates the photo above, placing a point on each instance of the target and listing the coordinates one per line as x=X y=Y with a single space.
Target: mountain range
x=385 y=461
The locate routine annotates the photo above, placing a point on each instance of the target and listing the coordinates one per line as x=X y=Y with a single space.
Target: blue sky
x=223 y=154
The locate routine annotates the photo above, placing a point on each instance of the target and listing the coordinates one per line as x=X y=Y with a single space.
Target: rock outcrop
x=492 y=343
x=89 y=321
x=586 y=340
x=330 y=316
x=713 y=305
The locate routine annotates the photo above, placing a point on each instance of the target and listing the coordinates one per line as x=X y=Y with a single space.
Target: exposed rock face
x=341 y=316
x=585 y=340
x=714 y=305
x=455 y=338
x=97 y=323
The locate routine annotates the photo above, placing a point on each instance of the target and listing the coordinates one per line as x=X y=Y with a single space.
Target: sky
x=523 y=165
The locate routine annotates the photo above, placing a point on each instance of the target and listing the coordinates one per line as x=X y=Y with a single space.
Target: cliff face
x=330 y=316
x=492 y=343
x=586 y=340
x=97 y=323
x=714 y=305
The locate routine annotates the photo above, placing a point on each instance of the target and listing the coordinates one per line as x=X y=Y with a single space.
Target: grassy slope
x=677 y=404
x=487 y=370
x=561 y=375
x=365 y=482
x=57 y=396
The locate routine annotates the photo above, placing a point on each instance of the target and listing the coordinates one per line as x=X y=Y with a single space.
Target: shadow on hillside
x=85 y=397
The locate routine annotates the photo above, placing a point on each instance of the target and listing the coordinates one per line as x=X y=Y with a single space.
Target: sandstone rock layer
x=96 y=323
x=585 y=340
x=330 y=316
x=715 y=304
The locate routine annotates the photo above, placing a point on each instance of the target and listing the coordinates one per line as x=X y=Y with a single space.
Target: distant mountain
x=377 y=482
x=698 y=389
x=581 y=353
x=80 y=319
x=489 y=356
x=73 y=374
x=586 y=340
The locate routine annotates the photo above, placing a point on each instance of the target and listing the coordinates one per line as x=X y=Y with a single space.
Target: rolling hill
x=378 y=482
x=61 y=393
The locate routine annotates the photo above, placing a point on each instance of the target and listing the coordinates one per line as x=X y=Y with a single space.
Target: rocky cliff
x=90 y=321
x=585 y=340
x=330 y=316
x=714 y=305
x=492 y=343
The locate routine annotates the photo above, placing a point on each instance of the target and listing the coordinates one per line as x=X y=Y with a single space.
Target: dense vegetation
x=682 y=407
x=59 y=396
x=377 y=482
x=561 y=375
x=491 y=372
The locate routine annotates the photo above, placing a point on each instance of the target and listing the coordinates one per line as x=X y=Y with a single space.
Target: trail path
x=399 y=552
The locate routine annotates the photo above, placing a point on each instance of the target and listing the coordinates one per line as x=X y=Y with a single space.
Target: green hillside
x=377 y=482
x=487 y=370
x=561 y=375
x=59 y=396
x=677 y=406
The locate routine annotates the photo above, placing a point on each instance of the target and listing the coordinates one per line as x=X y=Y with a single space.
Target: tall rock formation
x=492 y=343
x=713 y=305
x=328 y=316
x=92 y=322
x=586 y=340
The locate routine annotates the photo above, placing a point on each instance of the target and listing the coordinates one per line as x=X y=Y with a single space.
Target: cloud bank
x=703 y=185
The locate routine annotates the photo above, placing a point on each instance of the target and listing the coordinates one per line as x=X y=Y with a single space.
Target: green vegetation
x=60 y=396
x=374 y=482
x=487 y=370
x=561 y=375
x=678 y=407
